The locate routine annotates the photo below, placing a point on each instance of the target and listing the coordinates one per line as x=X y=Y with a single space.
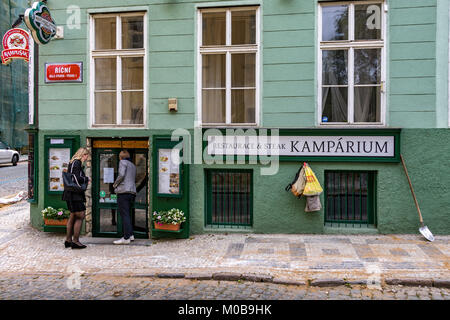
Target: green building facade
x=346 y=86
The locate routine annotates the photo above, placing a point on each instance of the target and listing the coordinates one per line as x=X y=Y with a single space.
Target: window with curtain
x=117 y=66
x=351 y=62
x=229 y=52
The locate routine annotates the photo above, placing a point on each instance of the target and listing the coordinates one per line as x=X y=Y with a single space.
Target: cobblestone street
x=45 y=287
x=13 y=179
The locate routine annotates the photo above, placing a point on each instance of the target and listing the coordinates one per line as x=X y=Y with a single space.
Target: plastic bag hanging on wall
x=312 y=187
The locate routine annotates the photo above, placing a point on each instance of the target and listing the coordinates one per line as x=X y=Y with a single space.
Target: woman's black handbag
x=71 y=182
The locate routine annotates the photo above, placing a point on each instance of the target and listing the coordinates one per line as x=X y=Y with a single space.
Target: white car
x=8 y=155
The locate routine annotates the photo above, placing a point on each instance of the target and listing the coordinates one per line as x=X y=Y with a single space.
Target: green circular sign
x=102 y=194
x=40 y=22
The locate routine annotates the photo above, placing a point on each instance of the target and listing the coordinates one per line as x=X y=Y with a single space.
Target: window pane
x=243 y=106
x=214 y=71
x=132 y=73
x=243 y=70
x=105 y=33
x=334 y=104
x=367 y=22
x=367 y=104
x=105 y=74
x=334 y=67
x=243 y=27
x=132 y=32
x=132 y=107
x=105 y=108
x=368 y=66
x=213 y=106
x=214 y=28
x=334 y=23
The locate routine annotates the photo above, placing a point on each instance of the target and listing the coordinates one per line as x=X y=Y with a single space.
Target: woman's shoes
x=78 y=246
x=67 y=244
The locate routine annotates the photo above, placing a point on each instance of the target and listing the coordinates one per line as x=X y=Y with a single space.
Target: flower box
x=167 y=226
x=54 y=222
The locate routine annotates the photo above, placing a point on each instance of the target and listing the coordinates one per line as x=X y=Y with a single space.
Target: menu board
x=58 y=161
x=168 y=172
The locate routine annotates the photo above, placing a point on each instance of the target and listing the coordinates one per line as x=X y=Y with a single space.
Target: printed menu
x=168 y=172
x=58 y=161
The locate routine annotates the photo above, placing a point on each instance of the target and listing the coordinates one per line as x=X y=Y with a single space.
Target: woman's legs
x=69 y=227
x=79 y=217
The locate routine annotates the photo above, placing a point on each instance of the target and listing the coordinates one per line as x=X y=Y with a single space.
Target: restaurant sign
x=318 y=147
x=63 y=72
x=40 y=22
x=15 y=46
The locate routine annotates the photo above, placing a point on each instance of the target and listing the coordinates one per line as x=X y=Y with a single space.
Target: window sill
x=118 y=126
x=348 y=125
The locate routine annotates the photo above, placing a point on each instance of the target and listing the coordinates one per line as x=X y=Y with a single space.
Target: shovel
x=423 y=229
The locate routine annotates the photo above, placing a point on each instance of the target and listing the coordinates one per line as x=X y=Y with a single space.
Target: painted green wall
x=417 y=47
x=426 y=154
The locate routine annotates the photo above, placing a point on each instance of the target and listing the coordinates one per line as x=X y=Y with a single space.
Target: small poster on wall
x=168 y=172
x=58 y=162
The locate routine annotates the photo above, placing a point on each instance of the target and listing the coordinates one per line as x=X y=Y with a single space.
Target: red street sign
x=64 y=72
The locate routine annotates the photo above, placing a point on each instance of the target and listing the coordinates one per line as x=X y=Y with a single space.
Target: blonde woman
x=76 y=201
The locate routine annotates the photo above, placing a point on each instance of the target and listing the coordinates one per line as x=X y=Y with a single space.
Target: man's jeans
x=124 y=203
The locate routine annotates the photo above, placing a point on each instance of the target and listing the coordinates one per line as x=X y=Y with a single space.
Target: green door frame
x=97 y=206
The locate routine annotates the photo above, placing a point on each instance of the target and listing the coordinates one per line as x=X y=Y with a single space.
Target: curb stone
x=198 y=276
x=327 y=283
x=224 y=276
x=289 y=282
x=257 y=278
x=170 y=275
x=441 y=284
x=410 y=282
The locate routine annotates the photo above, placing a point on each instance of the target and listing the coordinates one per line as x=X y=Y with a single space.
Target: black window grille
x=229 y=198
x=350 y=197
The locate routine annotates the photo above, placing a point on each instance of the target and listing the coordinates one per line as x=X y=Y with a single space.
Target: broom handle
x=412 y=190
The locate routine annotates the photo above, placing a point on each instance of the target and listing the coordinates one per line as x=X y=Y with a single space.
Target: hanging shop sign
x=336 y=147
x=64 y=72
x=40 y=22
x=16 y=45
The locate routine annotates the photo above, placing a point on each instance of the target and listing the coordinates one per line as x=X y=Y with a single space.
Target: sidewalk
x=321 y=260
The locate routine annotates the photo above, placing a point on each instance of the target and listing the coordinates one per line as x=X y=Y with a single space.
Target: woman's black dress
x=76 y=200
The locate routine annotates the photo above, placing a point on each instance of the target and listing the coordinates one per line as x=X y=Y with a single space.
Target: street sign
x=64 y=72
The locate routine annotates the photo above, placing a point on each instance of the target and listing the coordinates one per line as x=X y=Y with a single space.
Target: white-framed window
x=228 y=66
x=118 y=69
x=351 y=75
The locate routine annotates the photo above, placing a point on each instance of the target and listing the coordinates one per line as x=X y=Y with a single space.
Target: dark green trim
x=71 y=142
x=166 y=202
x=97 y=206
x=164 y=142
x=325 y=132
x=34 y=132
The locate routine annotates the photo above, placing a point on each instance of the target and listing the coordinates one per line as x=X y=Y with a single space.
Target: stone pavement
x=311 y=260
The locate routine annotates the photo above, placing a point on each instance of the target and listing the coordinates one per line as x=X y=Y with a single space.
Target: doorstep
x=109 y=241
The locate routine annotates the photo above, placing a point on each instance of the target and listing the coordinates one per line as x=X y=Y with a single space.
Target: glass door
x=105 y=215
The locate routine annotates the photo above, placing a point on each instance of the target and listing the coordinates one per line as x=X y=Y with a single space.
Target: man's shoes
x=78 y=246
x=122 y=241
x=132 y=237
